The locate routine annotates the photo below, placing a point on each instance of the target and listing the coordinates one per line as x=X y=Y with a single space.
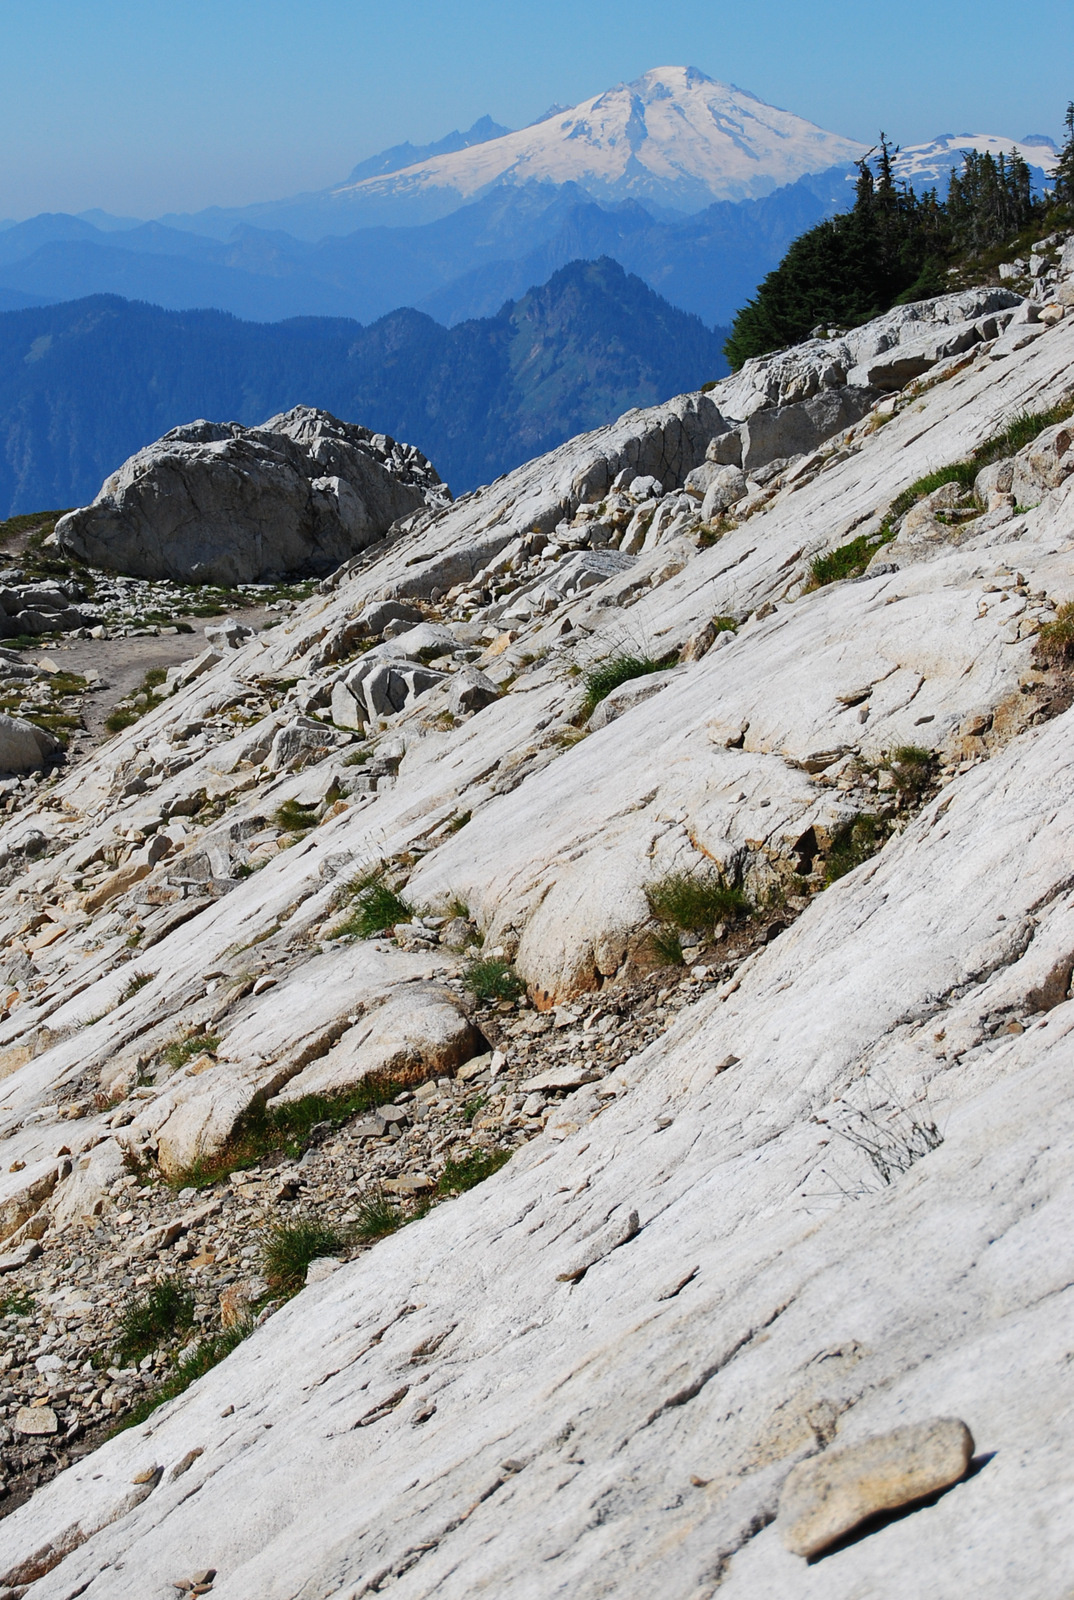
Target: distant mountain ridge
x=408 y=155
x=85 y=384
x=463 y=265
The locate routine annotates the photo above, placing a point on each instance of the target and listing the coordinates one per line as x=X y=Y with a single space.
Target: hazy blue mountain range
x=85 y=383
x=697 y=187
x=463 y=265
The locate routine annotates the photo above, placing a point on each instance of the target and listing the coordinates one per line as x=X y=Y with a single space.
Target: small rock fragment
x=322 y=1267
x=830 y=1494
x=36 y=1420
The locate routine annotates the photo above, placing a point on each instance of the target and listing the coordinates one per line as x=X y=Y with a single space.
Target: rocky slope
x=802 y=1190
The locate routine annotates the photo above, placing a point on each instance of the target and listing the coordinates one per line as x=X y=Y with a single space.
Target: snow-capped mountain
x=928 y=166
x=675 y=136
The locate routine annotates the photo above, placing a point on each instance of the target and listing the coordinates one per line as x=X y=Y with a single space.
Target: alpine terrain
x=539 y=1061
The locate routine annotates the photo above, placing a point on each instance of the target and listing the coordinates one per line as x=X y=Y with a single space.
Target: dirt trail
x=123 y=664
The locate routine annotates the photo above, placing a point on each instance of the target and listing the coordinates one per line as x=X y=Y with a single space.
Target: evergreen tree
x=893 y=245
x=1063 y=177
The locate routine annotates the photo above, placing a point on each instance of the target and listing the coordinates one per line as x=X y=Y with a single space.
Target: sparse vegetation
x=491 y=978
x=377 y=1217
x=695 y=900
x=290 y=1247
x=294 y=817
x=1055 y=641
x=668 y=947
x=290 y=1127
x=471 y=1170
x=850 y=560
x=846 y=560
x=162 y=1313
x=17 y=1303
x=891 y=1136
x=137 y=980
x=193 y=1364
x=178 y=1053
x=134 y=707
x=857 y=840
x=912 y=768
x=604 y=676
x=374 y=907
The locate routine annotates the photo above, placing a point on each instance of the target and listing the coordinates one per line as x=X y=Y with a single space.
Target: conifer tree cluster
x=893 y=245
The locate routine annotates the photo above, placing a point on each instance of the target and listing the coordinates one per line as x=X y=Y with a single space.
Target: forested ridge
x=86 y=383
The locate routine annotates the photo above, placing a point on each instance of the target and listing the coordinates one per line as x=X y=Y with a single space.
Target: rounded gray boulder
x=23 y=746
x=219 y=503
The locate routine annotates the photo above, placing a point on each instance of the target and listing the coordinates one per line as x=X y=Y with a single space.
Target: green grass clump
x=290 y=1247
x=847 y=560
x=473 y=1169
x=137 y=980
x=490 y=978
x=668 y=947
x=181 y=1051
x=853 y=843
x=692 y=900
x=911 y=766
x=193 y=1364
x=604 y=676
x=288 y=1127
x=377 y=1217
x=125 y=713
x=16 y=1304
x=294 y=817
x=1020 y=431
x=1055 y=641
x=375 y=907
x=850 y=560
x=166 y=1310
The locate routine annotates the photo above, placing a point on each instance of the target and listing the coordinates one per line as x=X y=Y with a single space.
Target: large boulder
x=24 y=747
x=219 y=503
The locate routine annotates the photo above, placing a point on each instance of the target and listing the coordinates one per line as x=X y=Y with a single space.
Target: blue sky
x=142 y=108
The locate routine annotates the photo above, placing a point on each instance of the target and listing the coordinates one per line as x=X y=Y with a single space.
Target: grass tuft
x=847 y=560
x=1055 y=641
x=166 y=1310
x=668 y=947
x=293 y=817
x=290 y=1247
x=853 y=843
x=458 y=1176
x=490 y=978
x=375 y=907
x=137 y=980
x=377 y=1217
x=604 y=676
x=694 y=900
x=911 y=766
x=181 y=1051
